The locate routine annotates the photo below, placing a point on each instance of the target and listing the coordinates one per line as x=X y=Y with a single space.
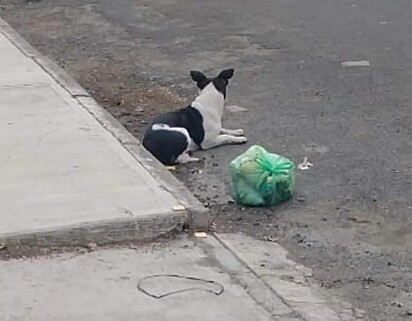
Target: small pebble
x=271 y=239
x=91 y=246
x=397 y=304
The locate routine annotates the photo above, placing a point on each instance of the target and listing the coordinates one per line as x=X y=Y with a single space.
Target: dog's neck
x=210 y=101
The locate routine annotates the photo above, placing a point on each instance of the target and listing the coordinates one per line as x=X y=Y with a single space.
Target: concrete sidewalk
x=69 y=172
x=244 y=280
x=102 y=286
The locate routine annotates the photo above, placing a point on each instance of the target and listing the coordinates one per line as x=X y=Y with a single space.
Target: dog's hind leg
x=233 y=132
x=192 y=146
x=224 y=139
x=186 y=158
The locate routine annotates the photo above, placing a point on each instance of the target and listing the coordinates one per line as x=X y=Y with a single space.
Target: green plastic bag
x=260 y=178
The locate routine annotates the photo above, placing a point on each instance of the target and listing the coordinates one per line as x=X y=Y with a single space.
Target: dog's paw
x=241 y=140
x=186 y=158
x=238 y=132
x=232 y=132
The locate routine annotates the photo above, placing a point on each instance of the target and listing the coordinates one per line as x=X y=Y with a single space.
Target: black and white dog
x=171 y=136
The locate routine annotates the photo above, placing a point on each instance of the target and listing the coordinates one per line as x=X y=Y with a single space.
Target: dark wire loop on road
x=177 y=276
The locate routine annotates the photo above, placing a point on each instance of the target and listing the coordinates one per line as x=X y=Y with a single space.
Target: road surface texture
x=351 y=218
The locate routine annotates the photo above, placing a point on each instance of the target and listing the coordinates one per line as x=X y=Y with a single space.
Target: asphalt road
x=351 y=218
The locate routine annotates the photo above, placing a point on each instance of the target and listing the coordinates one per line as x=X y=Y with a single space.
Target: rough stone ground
x=350 y=220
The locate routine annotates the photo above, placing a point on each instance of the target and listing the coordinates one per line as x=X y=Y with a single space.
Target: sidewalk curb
x=195 y=214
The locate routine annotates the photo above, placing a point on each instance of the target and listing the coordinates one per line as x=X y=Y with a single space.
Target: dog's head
x=220 y=82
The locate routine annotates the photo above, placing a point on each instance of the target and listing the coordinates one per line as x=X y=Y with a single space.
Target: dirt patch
x=133 y=105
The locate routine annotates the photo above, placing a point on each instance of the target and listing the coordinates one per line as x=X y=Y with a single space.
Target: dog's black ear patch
x=220 y=85
x=199 y=78
x=226 y=74
x=222 y=80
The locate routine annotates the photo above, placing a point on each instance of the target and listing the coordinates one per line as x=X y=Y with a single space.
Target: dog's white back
x=210 y=104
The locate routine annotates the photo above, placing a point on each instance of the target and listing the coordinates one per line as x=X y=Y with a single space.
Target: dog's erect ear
x=198 y=76
x=226 y=74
